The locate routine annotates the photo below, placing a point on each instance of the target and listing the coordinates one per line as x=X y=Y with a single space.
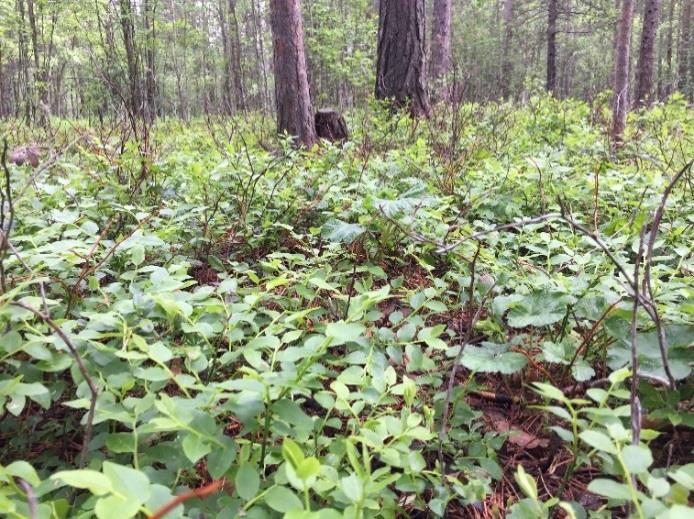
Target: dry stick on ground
x=451 y=378
x=83 y=370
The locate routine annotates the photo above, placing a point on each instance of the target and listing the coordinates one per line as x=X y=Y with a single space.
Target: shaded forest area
x=350 y=258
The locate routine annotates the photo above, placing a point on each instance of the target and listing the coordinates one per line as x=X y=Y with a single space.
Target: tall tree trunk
x=227 y=96
x=620 y=104
x=644 y=74
x=441 y=60
x=667 y=87
x=294 y=110
x=400 y=69
x=552 y=16
x=39 y=83
x=506 y=58
x=127 y=26
x=150 y=73
x=235 y=56
x=685 y=53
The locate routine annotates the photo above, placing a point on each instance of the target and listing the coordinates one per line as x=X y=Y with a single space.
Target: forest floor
x=432 y=319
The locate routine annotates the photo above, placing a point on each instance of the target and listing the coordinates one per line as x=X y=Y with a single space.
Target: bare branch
x=83 y=370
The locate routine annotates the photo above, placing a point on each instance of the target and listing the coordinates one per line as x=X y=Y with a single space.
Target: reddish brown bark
x=644 y=74
x=294 y=110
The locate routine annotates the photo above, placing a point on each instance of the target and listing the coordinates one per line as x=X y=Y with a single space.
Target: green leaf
x=684 y=475
x=247 y=481
x=22 y=469
x=97 y=483
x=291 y=452
x=342 y=332
x=353 y=488
x=11 y=342
x=195 y=447
x=599 y=441
x=220 y=460
x=609 y=488
x=282 y=500
x=493 y=358
x=308 y=468
x=137 y=254
x=338 y=231
x=129 y=483
x=526 y=483
x=115 y=507
x=637 y=458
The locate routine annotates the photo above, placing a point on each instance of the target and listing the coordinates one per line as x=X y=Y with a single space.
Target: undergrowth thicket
x=288 y=321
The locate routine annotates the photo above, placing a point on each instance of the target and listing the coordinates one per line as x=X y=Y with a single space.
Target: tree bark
x=294 y=110
x=506 y=59
x=552 y=16
x=685 y=53
x=400 y=68
x=620 y=104
x=127 y=26
x=441 y=60
x=150 y=72
x=644 y=80
x=235 y=55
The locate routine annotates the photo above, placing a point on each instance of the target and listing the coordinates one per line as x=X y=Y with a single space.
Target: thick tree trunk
x=644 y=74
x=400 y=69
x=441 y=61
x=294 y=110
x=552 y=16
x=620 y=104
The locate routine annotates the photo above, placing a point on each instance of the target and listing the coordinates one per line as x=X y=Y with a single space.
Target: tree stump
x=331 y=125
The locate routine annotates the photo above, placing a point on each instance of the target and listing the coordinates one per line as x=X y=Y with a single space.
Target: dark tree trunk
x=400 y=69
x=620 y=104
x=127 y=26
x=294 y=111
x=440 y=64
x=552 y=15
x=667 y=87
x=644 y=79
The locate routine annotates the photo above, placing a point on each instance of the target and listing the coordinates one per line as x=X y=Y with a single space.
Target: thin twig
x=503 y=227
x=634 y=397
x=82 y=368
x=648 y=260
x=32 y=502
x=451 y=378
